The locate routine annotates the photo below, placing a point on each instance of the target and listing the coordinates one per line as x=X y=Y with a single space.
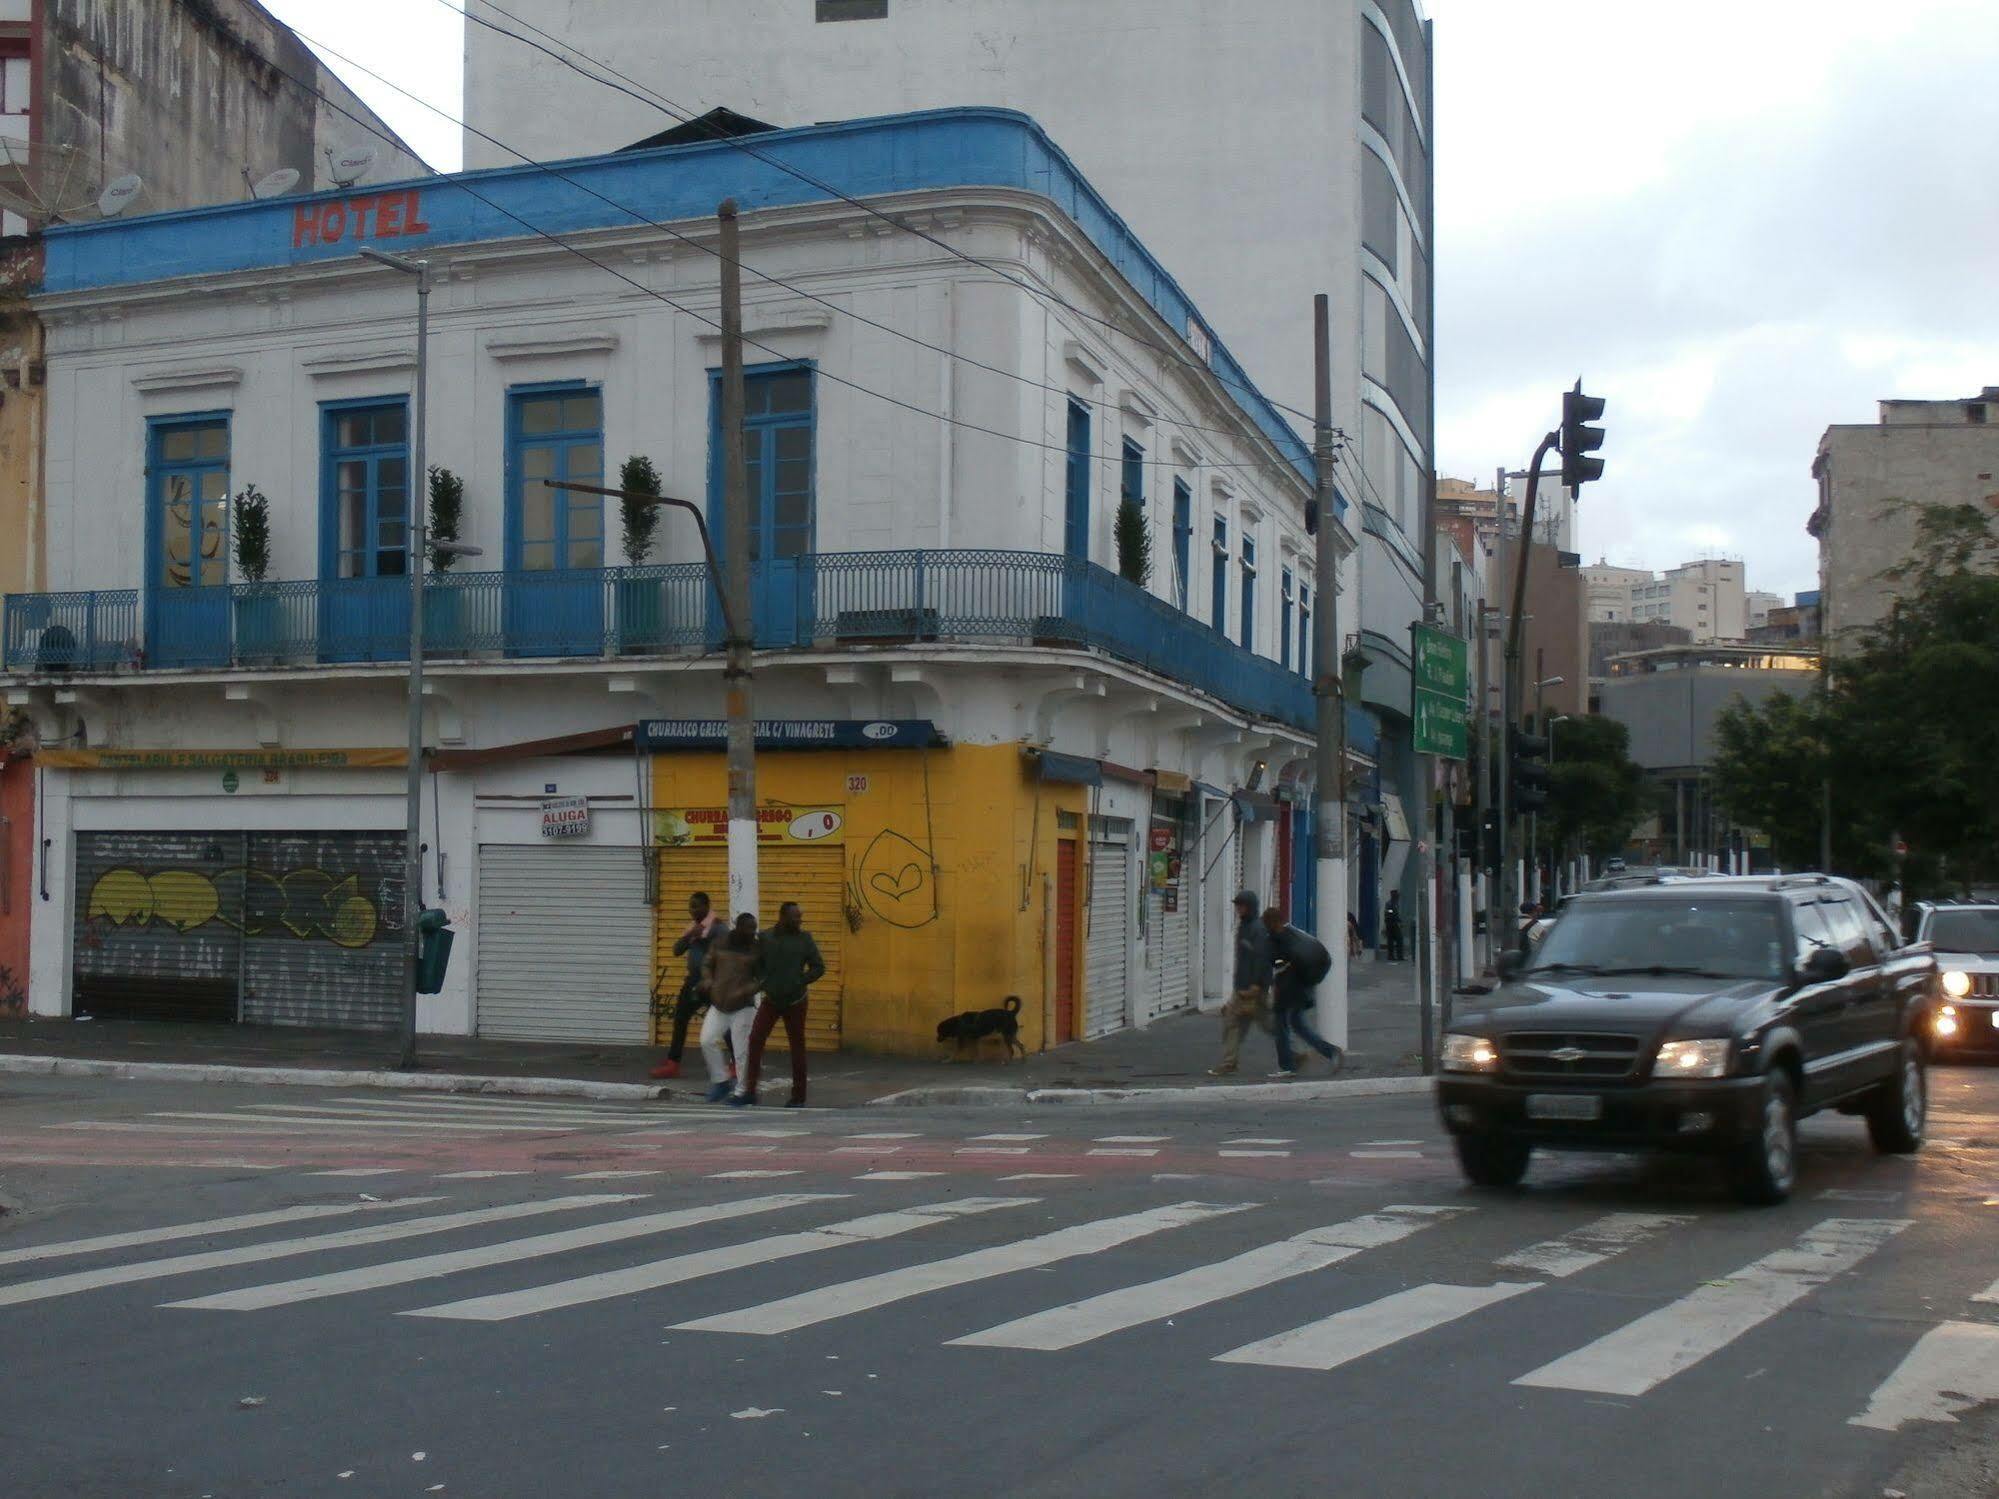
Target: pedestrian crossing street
x=1348 y=1280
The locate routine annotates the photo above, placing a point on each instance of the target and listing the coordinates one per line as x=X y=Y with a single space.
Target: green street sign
x=1440 y=711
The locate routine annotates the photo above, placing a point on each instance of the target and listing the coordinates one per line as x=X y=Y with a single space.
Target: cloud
x=1774 y=229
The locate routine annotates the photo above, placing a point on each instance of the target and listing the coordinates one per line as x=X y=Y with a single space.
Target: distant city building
x=1612 y=638
x=1756 y=607
x=1706 y=598
x=1871 y=480
x=1795 y=623
x=1609 y=591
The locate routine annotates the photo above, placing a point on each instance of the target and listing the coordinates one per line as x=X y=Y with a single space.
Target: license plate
x=1564 y=1106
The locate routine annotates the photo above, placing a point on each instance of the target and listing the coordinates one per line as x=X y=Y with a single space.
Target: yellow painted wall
x=918 y=948
x=20 y=441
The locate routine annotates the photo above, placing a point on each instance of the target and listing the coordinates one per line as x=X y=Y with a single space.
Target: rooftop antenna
x=118 y=194
x=45 y=184
x=349 y=167
x=272 y=184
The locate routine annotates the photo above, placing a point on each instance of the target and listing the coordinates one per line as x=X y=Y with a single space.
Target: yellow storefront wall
x=949 y=873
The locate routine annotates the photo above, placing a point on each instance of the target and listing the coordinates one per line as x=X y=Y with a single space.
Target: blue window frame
x=1183 y=540
x=1131 y=474
x=1218 y=611
x=779 y=425
x=554 y=432
x=1284 y=621
x=1304 y=630
x=1248 y=554
x=1076 y=517
x=364 y=486
x=187 y=539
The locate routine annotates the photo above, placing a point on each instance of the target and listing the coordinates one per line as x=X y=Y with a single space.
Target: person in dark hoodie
x=1249 y=991
x=1302 y=964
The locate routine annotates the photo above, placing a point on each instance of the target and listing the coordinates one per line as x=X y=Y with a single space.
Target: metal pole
x=418 y=490
x=1510 y=710
x=1431 y=925
x=1482 y=787
x=743 y=891
x=1328 y=683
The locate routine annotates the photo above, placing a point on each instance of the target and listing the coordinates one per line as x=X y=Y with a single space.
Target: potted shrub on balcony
x=443 y=605
x=259 y=618
x=641 y=600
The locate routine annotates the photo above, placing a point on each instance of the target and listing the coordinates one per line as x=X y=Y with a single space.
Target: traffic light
x=1527 y=767
x=1579 y=439
x=433 y=950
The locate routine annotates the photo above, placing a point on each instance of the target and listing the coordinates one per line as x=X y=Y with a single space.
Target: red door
x=1065 y=940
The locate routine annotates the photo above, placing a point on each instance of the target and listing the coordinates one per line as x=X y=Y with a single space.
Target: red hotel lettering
x=376 y=216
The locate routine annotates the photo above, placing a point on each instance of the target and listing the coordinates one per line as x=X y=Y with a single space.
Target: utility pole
x=1482 y=787
x=1510 y=709
x=742 y=731
x=1328 y=682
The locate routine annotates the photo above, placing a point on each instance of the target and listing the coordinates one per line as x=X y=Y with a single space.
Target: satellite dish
x=274 y=184
x=118 y=195
x=349 y=167
x=45 y=184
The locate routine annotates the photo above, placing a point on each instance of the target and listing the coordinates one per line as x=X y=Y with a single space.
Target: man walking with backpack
x=1249 y=989
x=1302 y=964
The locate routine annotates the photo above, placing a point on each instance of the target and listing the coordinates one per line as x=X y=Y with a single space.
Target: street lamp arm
x=700 y=522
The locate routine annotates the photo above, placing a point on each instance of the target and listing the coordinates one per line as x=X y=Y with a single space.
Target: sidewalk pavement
x=1168 y=1058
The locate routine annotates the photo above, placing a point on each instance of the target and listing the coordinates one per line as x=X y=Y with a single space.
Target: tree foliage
x=641 y=520
x=1597 y=794
x=447 y=510
x=253 y=534
x=1134 y=543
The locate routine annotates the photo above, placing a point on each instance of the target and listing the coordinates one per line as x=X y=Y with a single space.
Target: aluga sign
x=565 y=817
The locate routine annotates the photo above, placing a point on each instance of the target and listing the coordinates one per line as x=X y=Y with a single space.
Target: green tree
x=641 y=520
x=1597 y=795
x=447 y=510
x=1134 y=543
x=1770 y=764
x=253 y=534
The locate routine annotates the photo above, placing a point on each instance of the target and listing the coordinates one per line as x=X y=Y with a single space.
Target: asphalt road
x=234 y=1291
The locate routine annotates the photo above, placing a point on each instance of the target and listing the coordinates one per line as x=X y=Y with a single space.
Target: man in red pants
x=791 y=964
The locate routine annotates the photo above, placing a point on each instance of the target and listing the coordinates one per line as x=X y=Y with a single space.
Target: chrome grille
x=1552 y=1055
x=1984 y=985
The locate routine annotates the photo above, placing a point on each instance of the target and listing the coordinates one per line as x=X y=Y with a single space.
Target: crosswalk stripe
x=733 y=1176
x=1361 y=1330
x=215 y=1259
x=898 y=1176
x=475 y=1176
x=1122 y=1150
x=992 y=1150
x=1989 y=1296
x=406 y=1115
x=249 y=1128
x=1591 y=1244
x=1115 y=1311
x=1241 y=1154
x=500 y=1105
x=358 y=1171
x=1674 y=1338
x=996 y=1138
x=1955 y=1367
x=139 y=1236
x=606 y=1176
x=249 y=1122
x=810 y=1307
x=670 y=1272
x=430 y=1266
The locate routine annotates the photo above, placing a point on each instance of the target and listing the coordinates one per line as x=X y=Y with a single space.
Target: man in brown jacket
x=735 y=972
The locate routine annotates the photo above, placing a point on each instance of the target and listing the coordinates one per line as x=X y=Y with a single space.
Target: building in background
x=1873 y=480
x=1266 y=161
x=1608 y=590
x=992 y=765
x=1669 y=699
x=1705 y=598
x=1554 y=631
x=1756 y=607
x=1796 y=623
x=1612 y=638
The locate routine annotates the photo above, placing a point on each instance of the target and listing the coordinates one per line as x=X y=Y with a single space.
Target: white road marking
x=457 y=1110
x=178 y=1163
x=829 y=1302
x=607 y=1176
x=248 y=1122
x=207 y=1226
x=1132 y=1139
x=1122 y=1150
x=868 y=1150
x=1591 y=1244
x=353 y=1238
x=770 y=1134
x=1042 y=1176
x=1239 y=1155
x=634 y=1279
x=400 y=1110
x=748 y=1176
x=1259 y=1142
x=900 y=1176
x=512 y=1251
x=887 y=1135
x=1361 y=1330
x=475 y=1176
x=1386 y=1155
x=360 y=1171
x=1954 y=1368
x=1645 y=1353
x=1115 y=1311
x=1006 y=1137
x=992 y=1150
x=1990 y=1295
x=1390 y=1142
x=252 y=1128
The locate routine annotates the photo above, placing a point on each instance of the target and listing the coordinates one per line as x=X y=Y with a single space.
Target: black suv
x=1709 y=1015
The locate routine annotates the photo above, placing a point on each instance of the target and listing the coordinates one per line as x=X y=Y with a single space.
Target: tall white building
x=1706 y=598
x=1756 y=607
x=1267 y=153
x=1608 y=591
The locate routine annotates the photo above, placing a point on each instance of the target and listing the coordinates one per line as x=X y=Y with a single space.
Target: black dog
x=966 y=1031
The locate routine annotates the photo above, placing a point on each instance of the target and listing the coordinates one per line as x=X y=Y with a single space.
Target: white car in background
x=1965 y=937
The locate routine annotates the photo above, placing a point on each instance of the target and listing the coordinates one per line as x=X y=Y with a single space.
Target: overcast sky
x=1739 y=220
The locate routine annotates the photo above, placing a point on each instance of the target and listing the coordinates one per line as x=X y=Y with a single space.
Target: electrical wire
x=653 y=99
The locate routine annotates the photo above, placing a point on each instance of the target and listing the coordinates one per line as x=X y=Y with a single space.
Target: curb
x=1333 y=1088
x=308 y=1077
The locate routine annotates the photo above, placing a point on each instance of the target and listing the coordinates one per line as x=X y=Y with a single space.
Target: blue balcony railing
x=828 y=599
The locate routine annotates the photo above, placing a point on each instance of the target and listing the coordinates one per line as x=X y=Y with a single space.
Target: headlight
x=1946 y=1021
x=1469 y=1054
x=1956 y=984
x=1692 y=1059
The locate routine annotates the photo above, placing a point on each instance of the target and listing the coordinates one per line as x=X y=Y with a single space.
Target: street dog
x=965 y=1032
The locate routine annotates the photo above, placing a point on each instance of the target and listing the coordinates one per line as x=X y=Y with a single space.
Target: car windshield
x=1710 y=937
x=1966 y=931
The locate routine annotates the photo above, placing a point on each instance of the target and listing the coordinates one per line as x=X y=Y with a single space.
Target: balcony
x=825 y=600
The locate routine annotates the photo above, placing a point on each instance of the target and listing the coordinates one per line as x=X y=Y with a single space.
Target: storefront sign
x=365 y=216
x=299 y=759
x=1438 y=712
x=565 y=817
x=658 y=734
x=708 y=827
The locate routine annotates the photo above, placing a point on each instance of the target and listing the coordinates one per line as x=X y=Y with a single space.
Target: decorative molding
x=777 y=323
x=1085 y=361
x=359 y=361
x=1222 y=486
x=1185 y=451
x=557 y=341
x=1137 y=407
x=189 y=379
